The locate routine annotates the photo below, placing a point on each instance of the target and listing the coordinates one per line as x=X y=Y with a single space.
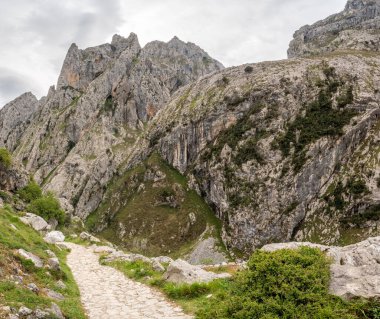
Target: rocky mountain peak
x=355 y=28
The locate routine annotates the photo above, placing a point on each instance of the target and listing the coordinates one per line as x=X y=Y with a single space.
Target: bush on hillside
x=47 y=207
x=281 y=284
x=5 y=158
x=30 y=192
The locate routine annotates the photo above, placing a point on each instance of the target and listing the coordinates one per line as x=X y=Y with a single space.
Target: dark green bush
x=281 y=284
x=30 y=192
x=5 y=158
x=47 y=207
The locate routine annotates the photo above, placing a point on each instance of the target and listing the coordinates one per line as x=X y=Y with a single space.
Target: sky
x=35 y=35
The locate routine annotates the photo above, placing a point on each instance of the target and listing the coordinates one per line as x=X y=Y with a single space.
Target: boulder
x=56 y=311
x=89 y=237
x=37 y=261
x=103 y=250
x=355 y=269
x=54 y=264
x=35 y=221
x=163 y=259
x=54 y=237
x=157 y=266
x=180 y=271
x=54 y=295
x=24 y=311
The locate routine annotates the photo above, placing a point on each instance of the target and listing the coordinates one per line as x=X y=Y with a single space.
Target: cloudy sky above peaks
x=37 y=34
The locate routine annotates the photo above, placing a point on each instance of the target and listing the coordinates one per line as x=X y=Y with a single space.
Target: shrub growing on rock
x=5 y=158
x=281 y=284
x=47 y=207
x=30 y=192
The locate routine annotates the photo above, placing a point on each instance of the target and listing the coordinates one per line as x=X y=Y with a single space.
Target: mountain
x=355 y=28
x=143 y=142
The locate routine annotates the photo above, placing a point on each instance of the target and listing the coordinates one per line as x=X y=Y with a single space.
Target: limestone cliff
x=357 y=27
x=85 y=127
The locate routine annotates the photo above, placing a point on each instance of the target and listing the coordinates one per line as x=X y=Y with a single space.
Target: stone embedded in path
x=106 y=293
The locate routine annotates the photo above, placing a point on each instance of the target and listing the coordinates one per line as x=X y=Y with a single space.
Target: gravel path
x=106 y=293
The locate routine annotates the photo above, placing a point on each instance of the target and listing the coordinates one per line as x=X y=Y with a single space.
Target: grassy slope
x=152 y=226
x=17 y=295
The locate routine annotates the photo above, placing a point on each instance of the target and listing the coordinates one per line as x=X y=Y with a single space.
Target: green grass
x=16 y=295
x=154 y=226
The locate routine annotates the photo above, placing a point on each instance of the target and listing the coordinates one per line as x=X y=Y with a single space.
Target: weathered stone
x=54 y=237
x=33 y=287
x=24 y=311
x=179 y=271
x=89 y=237
x=54 y=264
x=35 y=221
x=37 y=261
x=157 y=266
x=56 y=311
x=54 y=294
x=206 y=252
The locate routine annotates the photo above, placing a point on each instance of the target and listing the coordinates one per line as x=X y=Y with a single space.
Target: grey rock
x=60 y=284
x=54 y=294
x=50 y=253
x=355 y=28
x=179 y=271
x=33 y=287
x=206 y=252
x=355 y=268
x=54 y=237
x=56 y=311
x=24 y=311
x=53 y=263
x=157 y=266
x=89 y=237
x=40 y=314
x=163 y=259
x=35 y=221
x=37 y=261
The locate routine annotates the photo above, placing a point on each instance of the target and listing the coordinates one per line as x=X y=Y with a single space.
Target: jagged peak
x=359 y=4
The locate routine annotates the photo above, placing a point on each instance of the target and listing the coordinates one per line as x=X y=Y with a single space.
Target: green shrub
x=30 y=192
x=5 y=158
x=47 y=207
x=281 y=284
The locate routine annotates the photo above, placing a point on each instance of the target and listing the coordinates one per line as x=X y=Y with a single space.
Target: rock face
x=14 y=118
x=355 y=28
x=85 y=127
x=355 y=268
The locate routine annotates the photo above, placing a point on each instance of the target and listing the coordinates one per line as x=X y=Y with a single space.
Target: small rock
x=54 y=295
x=56 y=311
x=13 y=227
x=29 y=256
x=18 y=279
x=157 y=266
x=60 y=284
x=51 y=254
x=54 y=264
x=103 y=249
x=12 y=316
x=54 y=237
x=40 y=314
x=6 y=309
x=23 y=311
x=89 y=237
x=33 y=287
x=163 y=259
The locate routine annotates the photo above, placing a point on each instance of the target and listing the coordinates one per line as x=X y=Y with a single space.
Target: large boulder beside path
x=180 y=271
x=54 y=237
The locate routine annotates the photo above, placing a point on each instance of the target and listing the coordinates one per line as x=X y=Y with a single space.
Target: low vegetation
x=15 y=235
x=321 y=119
x=5 y=158
x=275 y=285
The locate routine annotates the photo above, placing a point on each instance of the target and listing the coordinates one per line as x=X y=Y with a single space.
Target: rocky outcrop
x=14 y=118
x=354 y=270
x=85 y=127
x=179 y=272
x=355 y=28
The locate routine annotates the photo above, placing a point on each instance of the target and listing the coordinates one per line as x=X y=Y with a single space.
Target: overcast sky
x=35 y=35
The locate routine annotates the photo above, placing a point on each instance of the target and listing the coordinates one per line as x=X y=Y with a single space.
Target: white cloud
x=36 y=34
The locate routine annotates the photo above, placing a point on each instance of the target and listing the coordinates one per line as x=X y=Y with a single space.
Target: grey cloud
x=36 y=34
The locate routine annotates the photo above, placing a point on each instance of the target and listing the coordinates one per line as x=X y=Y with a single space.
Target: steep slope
x=85 y=127
x=355 y=28
x=267 y=145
